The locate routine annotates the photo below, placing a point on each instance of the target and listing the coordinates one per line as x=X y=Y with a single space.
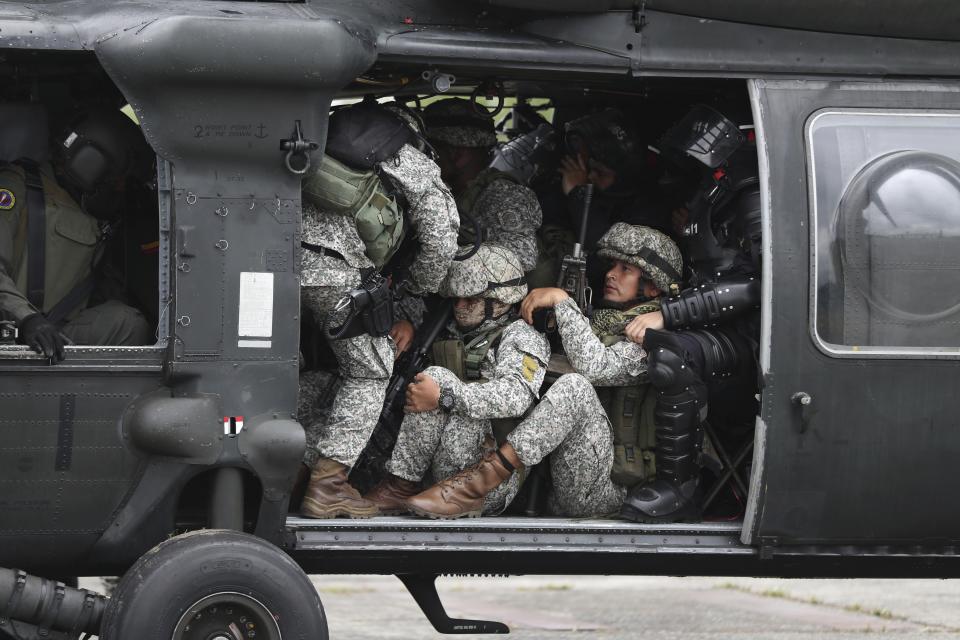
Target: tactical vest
x=468 y=200
x=465 y=361
x=361 y=196
x=630 y=409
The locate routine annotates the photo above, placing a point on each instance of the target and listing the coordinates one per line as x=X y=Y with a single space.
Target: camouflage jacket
x=431 y=216
x=508 y=212
x=622 y=364
x=512 y=375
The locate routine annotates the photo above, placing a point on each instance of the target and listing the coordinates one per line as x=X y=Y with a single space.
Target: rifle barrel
x=585 y=214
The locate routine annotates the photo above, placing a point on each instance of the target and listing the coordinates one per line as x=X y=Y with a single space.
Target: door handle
x=803 y=402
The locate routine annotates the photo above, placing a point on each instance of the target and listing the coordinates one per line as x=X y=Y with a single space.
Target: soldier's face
x=468 y=312
x=625 y=282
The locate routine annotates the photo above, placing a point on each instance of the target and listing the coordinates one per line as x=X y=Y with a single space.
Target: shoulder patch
x=7 y=200
x=530 y=367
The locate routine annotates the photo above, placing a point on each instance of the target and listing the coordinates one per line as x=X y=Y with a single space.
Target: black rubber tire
x=168 y=580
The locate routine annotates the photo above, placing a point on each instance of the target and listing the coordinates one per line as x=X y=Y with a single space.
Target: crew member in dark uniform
x=702 y=344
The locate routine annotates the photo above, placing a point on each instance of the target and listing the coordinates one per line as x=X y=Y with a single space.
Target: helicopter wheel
x=214 y=585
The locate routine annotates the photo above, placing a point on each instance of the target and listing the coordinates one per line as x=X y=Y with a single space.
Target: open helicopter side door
x=858 y=436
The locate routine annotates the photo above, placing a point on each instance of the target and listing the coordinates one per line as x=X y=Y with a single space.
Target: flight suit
x=366 y=362
x=72 y=250
x=511 y=373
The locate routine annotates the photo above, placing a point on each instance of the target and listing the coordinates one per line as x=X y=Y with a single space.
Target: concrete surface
x=652 y=608
x=364 y=607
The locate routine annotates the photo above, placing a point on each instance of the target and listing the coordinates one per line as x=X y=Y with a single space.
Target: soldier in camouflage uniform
x=493 y=371
x=570 y=421
x=365 y=362
x=508 y=212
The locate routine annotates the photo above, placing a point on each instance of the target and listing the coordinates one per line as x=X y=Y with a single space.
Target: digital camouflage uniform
x=72 y=247
x=509 y=379
x=365 y=362
x=444 y=443
x=508 y=212
x=569 y=422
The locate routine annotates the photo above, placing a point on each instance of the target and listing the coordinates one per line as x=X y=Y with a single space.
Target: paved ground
x=559 y=608
x=563 y=608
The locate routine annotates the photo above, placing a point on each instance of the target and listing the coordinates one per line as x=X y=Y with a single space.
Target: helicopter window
x=886 y=194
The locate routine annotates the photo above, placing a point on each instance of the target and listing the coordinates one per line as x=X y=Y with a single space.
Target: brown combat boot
x=330 y=495
x=462 y=494
x=391 y=494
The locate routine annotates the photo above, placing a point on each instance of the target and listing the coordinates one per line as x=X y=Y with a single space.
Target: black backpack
x=364 y=135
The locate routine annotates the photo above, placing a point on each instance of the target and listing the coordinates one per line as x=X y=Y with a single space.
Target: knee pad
x=726 y=353
x=670 y=364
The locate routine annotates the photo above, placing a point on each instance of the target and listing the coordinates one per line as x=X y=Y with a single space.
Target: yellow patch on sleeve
x=530 y=368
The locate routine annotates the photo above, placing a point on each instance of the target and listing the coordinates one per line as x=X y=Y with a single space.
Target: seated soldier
x=492 y=370
x=49 y=244
x=570 y=421
x=602 y=150
x=507 y=211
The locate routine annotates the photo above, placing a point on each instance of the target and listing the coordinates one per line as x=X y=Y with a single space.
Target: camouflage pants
x=445 y=444
x=365 y=365
x=317 y=391
x=571 y=426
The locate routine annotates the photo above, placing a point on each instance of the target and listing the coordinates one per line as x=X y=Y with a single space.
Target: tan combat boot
x=391 y=494
x=330 y=495
x=462 y=494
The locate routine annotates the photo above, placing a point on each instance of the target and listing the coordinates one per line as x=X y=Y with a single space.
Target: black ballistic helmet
x=103 y=147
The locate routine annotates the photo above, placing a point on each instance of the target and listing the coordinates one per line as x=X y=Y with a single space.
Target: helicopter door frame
x=847 y=437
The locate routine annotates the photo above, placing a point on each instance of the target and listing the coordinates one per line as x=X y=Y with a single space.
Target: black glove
x=42 y=336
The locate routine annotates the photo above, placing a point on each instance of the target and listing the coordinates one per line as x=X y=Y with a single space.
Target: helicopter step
x=505 y=534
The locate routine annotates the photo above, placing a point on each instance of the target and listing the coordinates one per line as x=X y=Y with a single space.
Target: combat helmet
x=459 y=123
x=605 y=137
x=104 y=146
x=493 y=272
x=648 y=249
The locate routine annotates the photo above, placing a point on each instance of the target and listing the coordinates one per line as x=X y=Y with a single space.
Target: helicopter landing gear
x=214 y=584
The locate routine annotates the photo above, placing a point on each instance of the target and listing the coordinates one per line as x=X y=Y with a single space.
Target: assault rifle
x=573 y=273
x=408 y=365
x=573 y=270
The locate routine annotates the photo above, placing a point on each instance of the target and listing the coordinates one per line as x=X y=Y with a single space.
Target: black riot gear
x=705 y=357
x=723 y=228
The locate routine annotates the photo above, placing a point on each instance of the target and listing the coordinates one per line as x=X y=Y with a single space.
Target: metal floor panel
x=514 y=534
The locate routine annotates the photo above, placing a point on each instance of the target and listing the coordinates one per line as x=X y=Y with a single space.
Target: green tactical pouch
x=337 y=188
x=451 y=355
x=634 y=436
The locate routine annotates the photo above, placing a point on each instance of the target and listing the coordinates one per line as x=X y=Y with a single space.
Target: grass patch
x=878 y=612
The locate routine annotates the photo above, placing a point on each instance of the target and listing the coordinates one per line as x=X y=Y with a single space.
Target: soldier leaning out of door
x=54 y=217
